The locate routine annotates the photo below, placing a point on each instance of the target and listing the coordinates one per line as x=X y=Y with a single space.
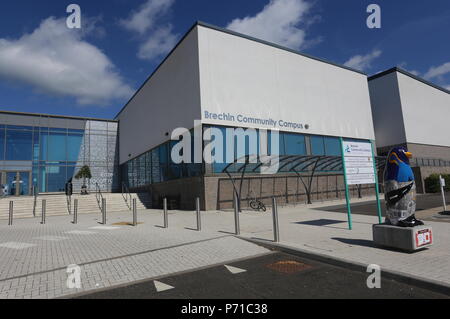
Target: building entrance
x=17 y=182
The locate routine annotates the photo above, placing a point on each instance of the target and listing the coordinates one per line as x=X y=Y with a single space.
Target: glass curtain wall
x=52 y=155
x=156 y=166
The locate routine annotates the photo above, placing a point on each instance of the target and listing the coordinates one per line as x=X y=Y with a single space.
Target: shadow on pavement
x=356 y=242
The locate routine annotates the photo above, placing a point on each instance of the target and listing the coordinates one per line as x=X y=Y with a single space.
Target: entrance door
x=18 y=183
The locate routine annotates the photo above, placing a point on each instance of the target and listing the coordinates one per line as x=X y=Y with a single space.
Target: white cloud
x=56 y=60
x=437 y=71
x=154 y=41
x=278 y=22
x=161 y=41
x=363 y=62
x=416 y=73
x=146 y=17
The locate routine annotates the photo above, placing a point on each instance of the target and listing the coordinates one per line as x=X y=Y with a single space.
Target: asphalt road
x=274 y=276
x=424 y=202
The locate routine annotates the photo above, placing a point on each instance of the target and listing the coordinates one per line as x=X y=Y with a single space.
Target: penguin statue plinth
x=401 y=229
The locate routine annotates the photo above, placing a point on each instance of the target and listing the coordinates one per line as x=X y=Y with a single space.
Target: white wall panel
x=244 y=77
x=387 y=111
x=426 y=112
x=170 y=99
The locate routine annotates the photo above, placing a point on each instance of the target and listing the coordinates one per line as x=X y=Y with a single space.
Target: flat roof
x=415 y=77
x=209 y=26
x=56 y=116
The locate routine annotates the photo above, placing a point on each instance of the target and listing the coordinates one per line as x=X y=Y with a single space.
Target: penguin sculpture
x=400 y=189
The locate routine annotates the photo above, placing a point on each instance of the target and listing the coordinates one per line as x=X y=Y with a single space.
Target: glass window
x=35 y=147
x=58 y=130
x=272 y=148
x=294 y=144
x=74 y=142
x=20 y=128
x=57 y=147
x=332 y=146
x=2 y=144
x=19 y=145
x=317 y=145
x=148 y=168
x=156 y=168
x=76 y=131
x=221 y=163
x=56 y=178
x=142 y=172
x=163 y=161
x=71 y=172
x=43 y=137
x=42 y=186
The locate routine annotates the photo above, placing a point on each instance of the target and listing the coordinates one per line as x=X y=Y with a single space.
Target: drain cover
x=288 y=266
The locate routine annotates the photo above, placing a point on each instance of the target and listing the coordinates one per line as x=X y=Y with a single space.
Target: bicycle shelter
x=305 y=167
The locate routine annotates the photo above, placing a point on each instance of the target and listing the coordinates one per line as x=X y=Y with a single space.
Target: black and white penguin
x=400 y=189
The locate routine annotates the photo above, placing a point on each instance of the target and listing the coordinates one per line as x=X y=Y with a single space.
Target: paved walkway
x=34 y=257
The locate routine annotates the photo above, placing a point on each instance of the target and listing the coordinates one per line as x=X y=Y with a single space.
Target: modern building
x=223 y=80
x=46 y=151
x=411 y=112
x=216 y=81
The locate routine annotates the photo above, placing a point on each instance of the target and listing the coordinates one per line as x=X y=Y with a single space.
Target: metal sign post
x=358 y=162
x=199 y=217
x=347 y=196
x=442 y=183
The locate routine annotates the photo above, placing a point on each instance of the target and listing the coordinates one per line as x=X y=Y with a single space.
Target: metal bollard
x=134 y=212
x=166 y=215
x=44 y=208
x=11 y=212
x=276 y=230
x=103 y=211
x=442 y=184
x=75 y=211
x=199 y=217
x=236 y=215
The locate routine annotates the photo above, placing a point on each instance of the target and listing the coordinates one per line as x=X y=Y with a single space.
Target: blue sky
x=47 y=68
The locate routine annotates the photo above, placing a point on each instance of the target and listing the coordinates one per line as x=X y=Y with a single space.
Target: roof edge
x=57 y=116
x=213 y=27
x=272 y=44
x=415 y=77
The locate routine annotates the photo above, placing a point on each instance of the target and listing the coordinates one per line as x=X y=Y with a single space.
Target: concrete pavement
x=34 y=257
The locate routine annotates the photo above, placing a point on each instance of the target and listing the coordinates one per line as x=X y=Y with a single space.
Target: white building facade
x=222 y=79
